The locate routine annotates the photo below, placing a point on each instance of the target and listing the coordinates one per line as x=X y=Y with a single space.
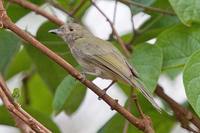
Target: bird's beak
x=55 y=31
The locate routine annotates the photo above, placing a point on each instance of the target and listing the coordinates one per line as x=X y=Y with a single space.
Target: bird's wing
x=103 y=52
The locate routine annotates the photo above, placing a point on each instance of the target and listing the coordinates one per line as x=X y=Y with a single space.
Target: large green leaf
x=178 y=43
x=63 y=91
x=191 y=80
x=69 y=95
x=75 y=98
x=9 y=46
x=21 y=62
x=50 y=72
x=187 y=11
x=147 y=59
x=39 y=96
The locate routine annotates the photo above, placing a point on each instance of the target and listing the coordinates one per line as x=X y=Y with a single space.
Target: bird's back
x=105 y=53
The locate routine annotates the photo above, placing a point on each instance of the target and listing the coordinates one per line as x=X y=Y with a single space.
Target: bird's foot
x=113 y=107
x=103 y=93
x=83 y=76
x=105 y=90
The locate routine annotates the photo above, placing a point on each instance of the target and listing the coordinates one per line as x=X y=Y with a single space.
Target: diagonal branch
x=23 y=119
x=8 y=24
x=184 y=116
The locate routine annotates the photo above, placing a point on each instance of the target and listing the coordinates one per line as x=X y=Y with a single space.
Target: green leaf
x=75 y=98
x=164 y=4
x=50 y=72
x=63 y=91
x=147 y=60
x=5 y=117
x=20 y=62
x=191 y=80
x=9 y=46
x=39 y=96
x=69 y=95
x=187 y=11
x=177 y=44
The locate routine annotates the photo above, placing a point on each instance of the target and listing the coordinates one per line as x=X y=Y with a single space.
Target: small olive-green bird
x=99 y=57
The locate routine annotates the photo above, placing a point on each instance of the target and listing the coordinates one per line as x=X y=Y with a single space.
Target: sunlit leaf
x=187 y=11
x=178 y=43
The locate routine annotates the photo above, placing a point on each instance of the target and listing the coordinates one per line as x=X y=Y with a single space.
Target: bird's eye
x=71 y=29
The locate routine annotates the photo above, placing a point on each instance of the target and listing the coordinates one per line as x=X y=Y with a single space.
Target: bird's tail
x=135 y=82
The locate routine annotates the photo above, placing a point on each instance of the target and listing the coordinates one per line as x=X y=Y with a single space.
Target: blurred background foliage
x=48 y=89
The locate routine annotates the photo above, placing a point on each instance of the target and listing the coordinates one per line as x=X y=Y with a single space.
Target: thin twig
x=25 y=88
x=17 y=112
x=135 y=99
x=115 y=12
x=154 y=9
x=22 y=125
x=184 y=116
x=139 y=123
x=126 y=123
x=121 y=42
x=114 y=20
x=134 y=32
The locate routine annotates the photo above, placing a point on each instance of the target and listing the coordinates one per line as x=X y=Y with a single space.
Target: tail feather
x=135 y=82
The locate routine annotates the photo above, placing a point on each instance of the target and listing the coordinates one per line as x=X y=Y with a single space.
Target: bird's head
x=71 y=31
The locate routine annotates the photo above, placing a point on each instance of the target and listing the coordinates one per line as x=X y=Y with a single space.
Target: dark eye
x=71 y=29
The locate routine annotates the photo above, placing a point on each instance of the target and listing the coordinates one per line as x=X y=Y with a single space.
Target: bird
x=100 y=58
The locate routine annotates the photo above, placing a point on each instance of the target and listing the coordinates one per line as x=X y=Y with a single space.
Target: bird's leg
x=83 y=74
x=105 y=90
x=109 y=85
